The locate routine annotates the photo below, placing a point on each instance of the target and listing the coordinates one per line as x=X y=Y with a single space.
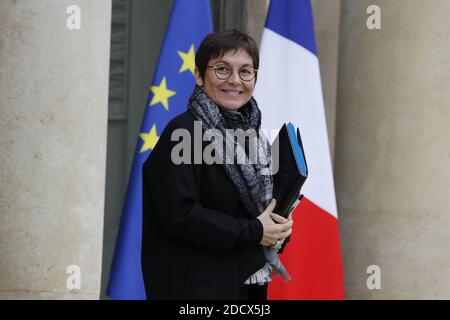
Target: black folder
x=292 y=169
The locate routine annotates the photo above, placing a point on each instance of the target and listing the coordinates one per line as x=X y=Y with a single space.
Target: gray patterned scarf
x=250 y=177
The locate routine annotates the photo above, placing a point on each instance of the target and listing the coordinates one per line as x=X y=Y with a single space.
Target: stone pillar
x=393 y=148
x=255 y=17
x=326 y=23
x=53 y=107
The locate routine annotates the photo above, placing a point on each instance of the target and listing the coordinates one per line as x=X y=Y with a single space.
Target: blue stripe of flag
x=283 y=19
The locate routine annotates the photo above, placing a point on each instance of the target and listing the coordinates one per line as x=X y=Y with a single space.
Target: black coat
x=198 y=240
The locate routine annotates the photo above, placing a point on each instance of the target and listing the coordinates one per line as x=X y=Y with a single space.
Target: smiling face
x=232 y=93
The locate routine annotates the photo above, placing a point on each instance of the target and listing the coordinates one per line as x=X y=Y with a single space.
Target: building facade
x=74 y=82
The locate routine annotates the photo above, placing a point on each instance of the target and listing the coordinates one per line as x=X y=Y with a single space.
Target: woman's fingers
x=285 y=226
x=275 y=226
x=285 y=230
x=277 y=218
x=271 y=205
x=286 y=234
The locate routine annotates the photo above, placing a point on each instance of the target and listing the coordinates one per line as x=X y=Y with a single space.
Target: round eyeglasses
x=224 y=72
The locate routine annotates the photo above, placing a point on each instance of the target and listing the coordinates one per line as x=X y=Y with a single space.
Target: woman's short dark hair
x=215 y=45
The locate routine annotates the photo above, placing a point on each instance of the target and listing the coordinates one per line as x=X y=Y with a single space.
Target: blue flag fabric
x=173 y=82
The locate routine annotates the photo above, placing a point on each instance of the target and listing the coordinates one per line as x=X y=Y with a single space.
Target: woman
x=208 y=228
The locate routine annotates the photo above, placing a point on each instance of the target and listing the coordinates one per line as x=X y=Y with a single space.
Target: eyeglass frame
x=215 y=72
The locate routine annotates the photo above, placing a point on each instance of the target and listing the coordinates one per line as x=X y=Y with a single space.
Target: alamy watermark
x=73 y=22
x=373 y=22
x=255 y=142
x=374 y=280
x=73 y=281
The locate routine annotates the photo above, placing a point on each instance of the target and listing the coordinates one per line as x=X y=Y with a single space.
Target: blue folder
x=292 y=169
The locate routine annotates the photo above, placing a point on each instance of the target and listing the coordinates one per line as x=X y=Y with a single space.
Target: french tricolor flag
x=289 y=89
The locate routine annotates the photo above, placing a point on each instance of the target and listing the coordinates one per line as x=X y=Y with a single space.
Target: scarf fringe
x=262 y=276
x=265 y=274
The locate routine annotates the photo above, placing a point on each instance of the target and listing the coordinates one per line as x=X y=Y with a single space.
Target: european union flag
x=173 y=82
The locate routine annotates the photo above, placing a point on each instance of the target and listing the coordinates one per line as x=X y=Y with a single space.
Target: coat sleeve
x=173 y=193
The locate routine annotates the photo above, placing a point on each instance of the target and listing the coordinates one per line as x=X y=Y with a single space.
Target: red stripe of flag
x=312 y=257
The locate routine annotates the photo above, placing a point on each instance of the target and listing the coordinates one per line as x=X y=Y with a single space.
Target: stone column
x=53 y=122
x=255 y=16
x=393 y=148
x=326 y=23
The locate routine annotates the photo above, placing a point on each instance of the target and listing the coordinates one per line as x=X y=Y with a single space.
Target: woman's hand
x=280 y=219
x=273 y=231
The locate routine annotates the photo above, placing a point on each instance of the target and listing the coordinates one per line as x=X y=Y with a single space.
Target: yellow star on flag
x=150 y=139
x=161 y=94
x=188 y=60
